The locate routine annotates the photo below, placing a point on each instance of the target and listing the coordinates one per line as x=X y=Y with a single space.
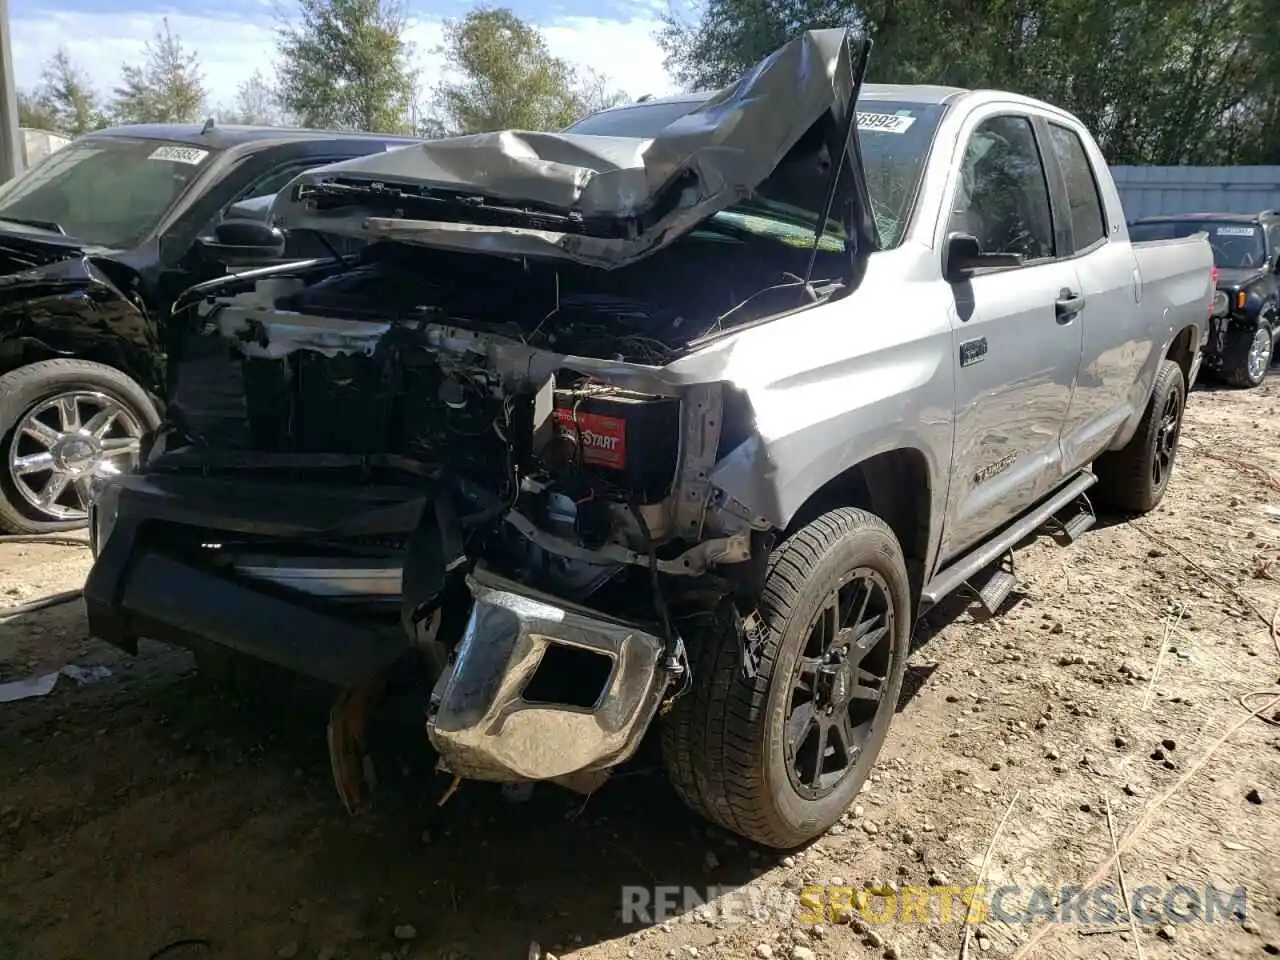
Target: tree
x=507 y=78
x=731 y=35
x=345 y=65
x=257 y=104
x=596 y=91
x=1158 y=81
x=77 y=107
x=167 y=88
x=35 y=112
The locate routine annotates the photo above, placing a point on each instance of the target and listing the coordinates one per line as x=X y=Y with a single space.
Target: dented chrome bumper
x=491 y=716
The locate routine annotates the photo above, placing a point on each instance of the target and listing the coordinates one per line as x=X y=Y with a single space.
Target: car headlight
x=104 y=508
x=1221 y=304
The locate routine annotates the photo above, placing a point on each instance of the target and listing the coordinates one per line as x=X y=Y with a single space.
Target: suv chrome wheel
x=1259 y=354
x=63 y=442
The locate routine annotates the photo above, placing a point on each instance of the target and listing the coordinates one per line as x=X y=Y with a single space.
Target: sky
x=235 y=37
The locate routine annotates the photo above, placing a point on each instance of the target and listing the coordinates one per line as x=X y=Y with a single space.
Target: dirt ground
x=145 y=809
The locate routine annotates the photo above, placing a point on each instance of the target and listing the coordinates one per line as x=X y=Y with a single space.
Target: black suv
x=96 y=241
x=1246 y=254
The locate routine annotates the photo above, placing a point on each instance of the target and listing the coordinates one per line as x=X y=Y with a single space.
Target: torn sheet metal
x=602 y=201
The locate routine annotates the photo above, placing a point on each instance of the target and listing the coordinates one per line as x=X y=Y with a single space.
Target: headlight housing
x=104 y=508
x=1221 y=304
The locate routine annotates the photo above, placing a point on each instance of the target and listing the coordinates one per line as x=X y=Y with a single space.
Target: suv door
x=1115 y=335
x=1016 y=330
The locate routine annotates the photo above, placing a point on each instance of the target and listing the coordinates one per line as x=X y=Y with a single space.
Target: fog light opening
x=570 y=677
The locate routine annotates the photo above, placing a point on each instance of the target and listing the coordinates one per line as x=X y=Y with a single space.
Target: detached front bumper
x=156 y=575
x=541 y=689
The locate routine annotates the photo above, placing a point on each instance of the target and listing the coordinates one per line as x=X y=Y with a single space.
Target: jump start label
x=884 y=122
x=602 y=439
x=189 y=155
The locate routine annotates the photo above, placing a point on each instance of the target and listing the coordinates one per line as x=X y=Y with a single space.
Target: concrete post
x=10 y=145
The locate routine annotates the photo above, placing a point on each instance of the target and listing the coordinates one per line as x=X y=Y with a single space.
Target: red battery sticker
x=603 y=439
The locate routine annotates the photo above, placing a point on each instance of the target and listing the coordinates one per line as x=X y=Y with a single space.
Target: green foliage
x=77 y=107
x=35 y=112
x=1159 y=81
x=505 y=77
x=345 y=65
x=167 y=88
x=64 y=101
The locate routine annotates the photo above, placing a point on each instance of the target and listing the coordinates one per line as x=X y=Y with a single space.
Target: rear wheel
x=1247 y=356
x=1134 y=479
x=779 y=758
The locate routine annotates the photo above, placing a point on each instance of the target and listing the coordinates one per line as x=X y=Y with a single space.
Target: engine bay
x=533 y=394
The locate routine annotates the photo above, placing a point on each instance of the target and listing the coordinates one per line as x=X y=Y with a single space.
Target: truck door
x=1016 y=330
x=1116 y=334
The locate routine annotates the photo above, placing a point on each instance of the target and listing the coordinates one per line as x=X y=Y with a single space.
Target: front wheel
x=1247 y=356
x=780 y=757
x=1134 y=479
x=63 y=422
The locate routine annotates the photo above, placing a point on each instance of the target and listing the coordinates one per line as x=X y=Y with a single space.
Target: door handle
x=1068 y=304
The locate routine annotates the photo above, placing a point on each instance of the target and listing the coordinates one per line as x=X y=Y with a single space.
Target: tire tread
x=711 y=738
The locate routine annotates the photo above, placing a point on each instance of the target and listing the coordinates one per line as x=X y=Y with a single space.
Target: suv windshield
x=1236 y=244
x=104 y=191
x=894 y=136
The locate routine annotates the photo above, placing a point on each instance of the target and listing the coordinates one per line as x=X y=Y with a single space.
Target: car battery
x=630 y=440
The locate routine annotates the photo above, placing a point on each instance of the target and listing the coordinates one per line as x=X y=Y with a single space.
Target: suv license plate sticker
x=188 y=155
x=884 y=122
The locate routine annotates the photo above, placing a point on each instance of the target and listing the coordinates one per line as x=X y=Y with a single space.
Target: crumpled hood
x=25 y=248
x=602 y=201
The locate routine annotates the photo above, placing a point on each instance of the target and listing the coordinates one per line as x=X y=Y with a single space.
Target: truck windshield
x=1236 y=245
x=894 y=136
x=104 y=191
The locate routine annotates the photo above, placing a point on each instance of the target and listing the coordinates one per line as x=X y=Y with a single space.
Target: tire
x=1128 y=479
x=1240 y=359
x=22 y=393
x=724 y=742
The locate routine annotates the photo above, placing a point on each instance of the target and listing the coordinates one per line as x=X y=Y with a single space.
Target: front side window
x=1003 y=196
x=104 y=191
x=1088 y=224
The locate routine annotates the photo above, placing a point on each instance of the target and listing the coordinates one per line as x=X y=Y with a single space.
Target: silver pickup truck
x=680 y=417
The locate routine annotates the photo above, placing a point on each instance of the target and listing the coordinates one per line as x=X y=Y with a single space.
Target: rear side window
x=1087 y=220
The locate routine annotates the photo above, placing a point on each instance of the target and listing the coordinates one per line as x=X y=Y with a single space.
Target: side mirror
x=242 y=242
x=963 y=255
x=251 y=208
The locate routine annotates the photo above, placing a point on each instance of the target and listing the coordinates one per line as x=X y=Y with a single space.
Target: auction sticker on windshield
x=175 y=154
x=885 y=122
x=1234 y=231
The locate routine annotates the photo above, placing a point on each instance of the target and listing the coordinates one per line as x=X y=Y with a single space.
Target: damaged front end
x=491 y=455
x=504 y=711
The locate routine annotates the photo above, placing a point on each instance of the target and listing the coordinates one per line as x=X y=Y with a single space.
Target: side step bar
x=994 y=584
x=1083 y=520
x=971 y=564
